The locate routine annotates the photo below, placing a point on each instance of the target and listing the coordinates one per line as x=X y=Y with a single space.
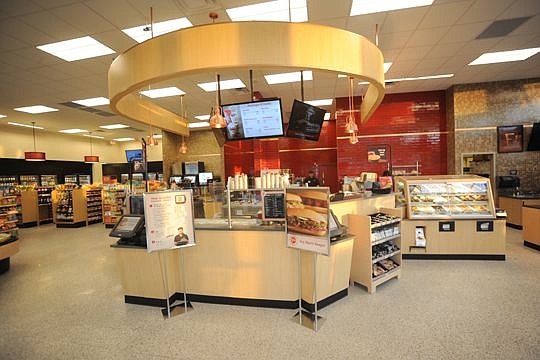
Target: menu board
x=273 y=205
x=307 y=219
x=377 y=153
x=256 y=119
x=169 y=219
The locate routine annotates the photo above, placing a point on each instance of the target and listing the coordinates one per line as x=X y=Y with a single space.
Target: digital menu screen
x=306 y=121
x=250 y=120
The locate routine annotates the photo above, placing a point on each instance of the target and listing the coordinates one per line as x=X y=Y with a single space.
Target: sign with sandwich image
x=377 y=153
x=307 y=212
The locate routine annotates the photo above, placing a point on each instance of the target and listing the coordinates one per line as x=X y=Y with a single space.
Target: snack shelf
x=380 y=241
x=389 y=274
x=385 y=256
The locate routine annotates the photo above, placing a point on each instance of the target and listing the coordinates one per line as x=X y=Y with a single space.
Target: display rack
x=48 y=180
x=45 y=211
x=69 y=206
x=94 y=209
x=377 y=248
x=29 y=206
x=29 y=180
x=8 y=180
x=408 y=169
x=9 y=217
x=113 y=201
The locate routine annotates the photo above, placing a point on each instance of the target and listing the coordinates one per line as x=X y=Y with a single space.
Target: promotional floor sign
x=307 y=211
x=169 y=219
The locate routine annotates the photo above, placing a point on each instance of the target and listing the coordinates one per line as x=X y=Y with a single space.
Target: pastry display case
x=447 y=197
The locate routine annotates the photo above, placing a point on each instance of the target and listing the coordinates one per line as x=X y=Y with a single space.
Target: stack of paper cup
x=258 y=182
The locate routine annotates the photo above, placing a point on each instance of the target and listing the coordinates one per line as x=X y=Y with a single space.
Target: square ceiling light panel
x=2 y=116
x=25 y=125
x=202 y=117
x=223 y=85
x=143 y=32
x=114 y=126
x=92 y=101
x=73 y=131
x=505 y=56
x=124 y=139
x=277 y=10
x=199 y=125
x=94 y=136
x=362 y=7
x=163 y=92
x=287 y=77
x=321 y=102
x=77 y=49
x=386 y=65
x=327 y=116
x=427 y=77
x=36 y=109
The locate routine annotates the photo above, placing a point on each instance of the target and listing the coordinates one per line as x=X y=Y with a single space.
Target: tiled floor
x=62 y=300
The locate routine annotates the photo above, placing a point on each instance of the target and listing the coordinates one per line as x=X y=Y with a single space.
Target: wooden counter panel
x=8 y=250
x=362 y=206
x=531 y=225
x=513 y=208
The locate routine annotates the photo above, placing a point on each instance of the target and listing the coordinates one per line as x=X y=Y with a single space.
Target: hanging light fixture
x=34 y=155
x=91 y=158
x=151 y=139
x=183 y=148
x=216 y=120
x=350 y=123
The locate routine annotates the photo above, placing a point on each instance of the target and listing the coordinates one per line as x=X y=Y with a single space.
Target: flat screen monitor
x=132 y=155
x=176 y=179
x=534 y=141
x=251 y=120
x=191 y=178
x=191 y=168
x=136 y=205
x=305 y=121
x=204 y=177
x=128 y=226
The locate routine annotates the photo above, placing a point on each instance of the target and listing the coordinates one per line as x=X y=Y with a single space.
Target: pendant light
x=91 y=158
x=350 y=123
x=34 y=155
x=151 y=139
x=216 y=120
x=183 y=148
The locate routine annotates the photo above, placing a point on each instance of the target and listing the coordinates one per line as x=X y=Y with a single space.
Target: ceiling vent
x=501 y=28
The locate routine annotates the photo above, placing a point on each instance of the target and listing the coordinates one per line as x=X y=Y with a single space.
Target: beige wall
x=479 y=108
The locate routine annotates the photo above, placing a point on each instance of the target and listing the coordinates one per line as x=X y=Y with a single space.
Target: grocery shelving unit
x=29 y=180
x=113 y=202
x=94 y=209
x=8 y=181
x=29 y=208
x=69 y=207
x=377 y=248
x=45 y=211
x=9 y=217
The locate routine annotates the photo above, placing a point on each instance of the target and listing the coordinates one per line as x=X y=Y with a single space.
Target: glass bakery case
x=447 y=197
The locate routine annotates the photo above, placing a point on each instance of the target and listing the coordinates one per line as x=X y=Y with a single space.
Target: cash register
x=131 y=230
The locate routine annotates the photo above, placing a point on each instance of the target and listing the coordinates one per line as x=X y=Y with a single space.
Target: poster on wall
x=510 y=138
x=377 y=153
x=169 y=219
x=307 y=212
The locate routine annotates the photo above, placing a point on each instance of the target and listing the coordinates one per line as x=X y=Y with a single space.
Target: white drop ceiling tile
x=531 y=26
x=116 y=40
x=429 y=66
x=318 y=10
x=444 y=14
x=82 y=18
x=19 y=7
x=203 y=18
x=404 y=20
x=478 y=47
x=38 y=57
x=48 y=73
x=340 y=23
x=394 y=40
x=427 y=37
x=365 y=24
x=413 y=53
x=401 y=68
x=51 y=25
x=513 y=42
x=464 y=32
x=21 y=63
x=485 y=10
x=19 y=30
x=521 y=8
x=445 y=50
x=118 y=12
x=162 y=9
x=9 y=43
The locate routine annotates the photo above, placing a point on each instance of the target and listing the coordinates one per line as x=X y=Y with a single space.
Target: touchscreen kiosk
x=129 y=226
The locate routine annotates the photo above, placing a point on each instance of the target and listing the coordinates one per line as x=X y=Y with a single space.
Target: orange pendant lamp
x=91 y=159
x=216 y=120
x=183 y=148
x=34 y=155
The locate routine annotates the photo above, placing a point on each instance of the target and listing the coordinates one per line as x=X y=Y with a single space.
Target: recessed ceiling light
x=76 y=49
x=142 y=33
x=223 y=85
x=72 y=131
x=428 y=77
x=287 y=77
x=505 y=56
x=163 y=92
x=202 y=117
x=94 y=136
x=36 y=109
x=386 y=65
x=198 y=125
x=2 y=116
x=327 y=116
x=114 y=126
x=322 y=102
x=92 y=101
x=277 y=10
x=24 y=125
x=158 y=136
x=124 y=139
x=361 y=7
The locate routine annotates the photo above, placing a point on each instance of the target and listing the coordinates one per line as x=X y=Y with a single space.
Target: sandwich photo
x=315 y=200
x=306 y=221
x=294 y=201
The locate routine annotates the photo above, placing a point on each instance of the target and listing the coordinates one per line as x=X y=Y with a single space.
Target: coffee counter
x=531 y=226
x=513 y=205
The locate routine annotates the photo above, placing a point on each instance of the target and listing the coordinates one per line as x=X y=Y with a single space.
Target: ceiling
x=429 y=40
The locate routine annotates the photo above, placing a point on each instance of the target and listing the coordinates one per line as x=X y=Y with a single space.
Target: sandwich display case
x=447 y=197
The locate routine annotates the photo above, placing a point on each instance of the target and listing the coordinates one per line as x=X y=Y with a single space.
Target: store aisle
x=62 y=300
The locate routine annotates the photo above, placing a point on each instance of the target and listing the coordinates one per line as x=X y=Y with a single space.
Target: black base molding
x=513 y=226
x=109 y=226
x=454 y=257
x=43 y=222
x=29 y=224
x=71 y=225
x=4 y=265
x=99 y=221
x=531 y=245
x=275 y=304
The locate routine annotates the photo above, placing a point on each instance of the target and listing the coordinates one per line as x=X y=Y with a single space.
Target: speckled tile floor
x=62 y=300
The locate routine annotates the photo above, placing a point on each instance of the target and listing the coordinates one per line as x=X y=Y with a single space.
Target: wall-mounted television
x=132 y=155
x=251 y=120
x=534 y=140
x=305 y=121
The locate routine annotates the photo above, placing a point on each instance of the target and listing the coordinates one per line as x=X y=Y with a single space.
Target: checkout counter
x=241 y=260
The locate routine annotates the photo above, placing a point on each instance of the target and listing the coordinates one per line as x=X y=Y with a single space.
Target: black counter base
x=95 y=222
x=109 y=226
x=454 y=257
x=531 y=245
x=29 y=224
x=274 y=304
x=71 y=225
x=4 y=265
x=513 y=226
x=43 y=222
